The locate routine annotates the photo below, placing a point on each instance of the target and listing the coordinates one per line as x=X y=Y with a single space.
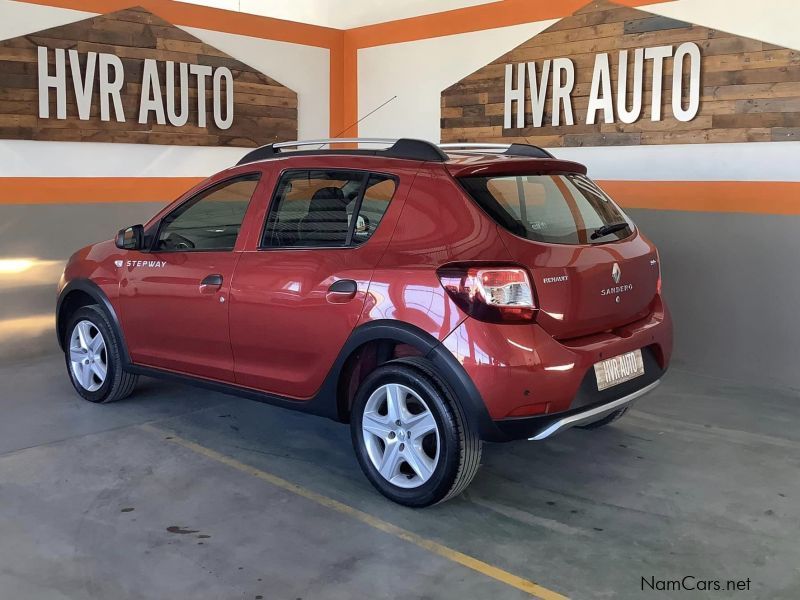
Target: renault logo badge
x=616 y=273
x=118 y=264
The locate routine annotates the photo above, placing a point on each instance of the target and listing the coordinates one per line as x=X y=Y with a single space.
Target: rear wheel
x=605 y=420
x=92 y=350
x=411 y=437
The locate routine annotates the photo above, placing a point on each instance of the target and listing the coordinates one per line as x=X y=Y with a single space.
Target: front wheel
x=93 y=354
x=410 y=435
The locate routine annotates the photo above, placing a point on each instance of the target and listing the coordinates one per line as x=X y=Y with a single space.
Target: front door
x=298 y=297
x=175 y=298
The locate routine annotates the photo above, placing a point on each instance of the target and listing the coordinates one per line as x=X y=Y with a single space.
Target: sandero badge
x=323 y=279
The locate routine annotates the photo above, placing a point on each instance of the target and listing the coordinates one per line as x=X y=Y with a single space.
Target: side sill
x=315 y=406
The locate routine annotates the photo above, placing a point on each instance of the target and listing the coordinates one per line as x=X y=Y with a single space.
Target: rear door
x=175 y=297
x=592 y=270
x=297 y=298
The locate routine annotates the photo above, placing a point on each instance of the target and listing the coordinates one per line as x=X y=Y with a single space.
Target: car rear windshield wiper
x=608 y=229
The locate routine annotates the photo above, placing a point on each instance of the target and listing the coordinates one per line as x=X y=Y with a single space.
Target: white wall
x=19 y=18
x=417 y=72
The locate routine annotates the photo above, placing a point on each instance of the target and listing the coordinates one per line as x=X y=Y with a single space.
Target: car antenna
x=361 y=119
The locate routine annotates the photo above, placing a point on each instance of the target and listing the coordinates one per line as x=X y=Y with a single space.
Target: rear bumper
x=590 y=415
x=530 y=381
x=544 y=426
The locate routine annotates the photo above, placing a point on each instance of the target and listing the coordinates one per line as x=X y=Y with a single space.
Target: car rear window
x=564 y=208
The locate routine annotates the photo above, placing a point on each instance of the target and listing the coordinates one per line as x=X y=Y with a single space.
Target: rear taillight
x=494 y=294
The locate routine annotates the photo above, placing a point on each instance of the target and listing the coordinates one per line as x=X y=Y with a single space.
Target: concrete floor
x=95 y=502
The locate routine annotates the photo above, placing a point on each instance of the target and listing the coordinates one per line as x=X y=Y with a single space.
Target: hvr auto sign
x=111 y=72
x=558 y=76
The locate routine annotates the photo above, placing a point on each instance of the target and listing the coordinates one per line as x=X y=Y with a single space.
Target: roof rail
x=397 y=148
x=505 y=149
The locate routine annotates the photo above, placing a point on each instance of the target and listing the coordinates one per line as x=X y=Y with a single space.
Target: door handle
x=342 y=291
x=211 y=283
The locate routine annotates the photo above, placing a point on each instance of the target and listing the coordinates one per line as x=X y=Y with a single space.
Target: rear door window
x=321 y=208
x=557 y=208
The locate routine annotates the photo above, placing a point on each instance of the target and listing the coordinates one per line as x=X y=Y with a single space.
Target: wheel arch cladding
x=83 y=292
x=379 y=338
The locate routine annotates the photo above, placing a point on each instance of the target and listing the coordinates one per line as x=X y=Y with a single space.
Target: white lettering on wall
x=562 y=90
x=600 y=98
x=111 y=87
x=538 y=91
x=692 y=51
x=657 y=54
x=202 y=72
x=632 y=115
x=47 y=81
x=513 y=94
x=83 y=85
x=219 y=75
x=109 y=73
x=621 y=103
x=178 y=119
x=150 y=99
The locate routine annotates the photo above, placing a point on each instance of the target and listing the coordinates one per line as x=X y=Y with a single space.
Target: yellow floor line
x=455 y=556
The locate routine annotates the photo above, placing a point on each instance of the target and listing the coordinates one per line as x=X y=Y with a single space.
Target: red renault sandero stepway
x=434 y=297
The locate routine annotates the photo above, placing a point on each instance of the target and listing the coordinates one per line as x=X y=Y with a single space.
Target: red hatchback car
x=434 y=297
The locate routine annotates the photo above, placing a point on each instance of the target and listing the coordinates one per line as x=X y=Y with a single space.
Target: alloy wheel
x=401 y=435
x=88 y=356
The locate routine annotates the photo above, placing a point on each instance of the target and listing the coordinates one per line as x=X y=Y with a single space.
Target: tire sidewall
x=450 y=449
x=97 y=318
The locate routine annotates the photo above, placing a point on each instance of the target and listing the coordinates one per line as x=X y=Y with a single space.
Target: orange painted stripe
x=755 y=197
x=336 y=89
x=84 y=190
x=349 y=89
x=758 y=197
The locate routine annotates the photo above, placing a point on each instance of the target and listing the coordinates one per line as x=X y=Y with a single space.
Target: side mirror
x=131 y=238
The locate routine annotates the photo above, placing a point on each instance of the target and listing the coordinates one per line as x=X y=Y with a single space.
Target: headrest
x=328 y=193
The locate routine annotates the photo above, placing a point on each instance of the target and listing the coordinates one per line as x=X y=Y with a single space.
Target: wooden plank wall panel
x=265 y=111
x=750 y=90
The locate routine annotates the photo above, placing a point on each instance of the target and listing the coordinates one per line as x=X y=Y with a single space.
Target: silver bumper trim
x=593 y=414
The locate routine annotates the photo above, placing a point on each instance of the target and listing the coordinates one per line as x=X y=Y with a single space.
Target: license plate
x=619 y=369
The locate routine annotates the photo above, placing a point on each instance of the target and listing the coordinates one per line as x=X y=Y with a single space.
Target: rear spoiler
x=515 y=166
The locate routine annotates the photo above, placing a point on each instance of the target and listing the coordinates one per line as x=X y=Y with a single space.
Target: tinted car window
x=560 y=209
x=377 y=196
x=316 y=208
x=211 y=220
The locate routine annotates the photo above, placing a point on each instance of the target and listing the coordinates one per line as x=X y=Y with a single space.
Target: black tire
x=118 y=383
x=605 y=420
x=459 y=446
